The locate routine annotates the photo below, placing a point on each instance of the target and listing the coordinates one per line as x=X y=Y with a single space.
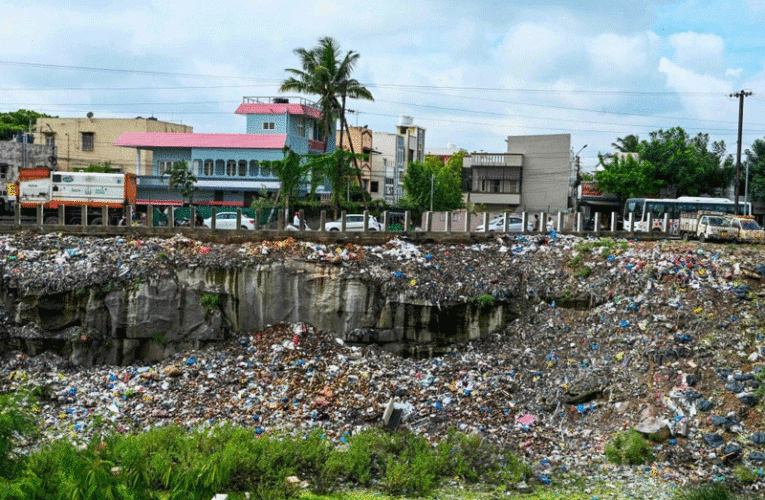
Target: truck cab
x=707 y=226
x=747 y=230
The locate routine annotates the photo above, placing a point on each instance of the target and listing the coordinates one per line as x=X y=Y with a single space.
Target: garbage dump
x=665 y=338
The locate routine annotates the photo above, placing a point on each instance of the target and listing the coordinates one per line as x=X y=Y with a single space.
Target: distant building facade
x=78 y=142
x=396 y=152
x=362 y=139
x=533 y=175
x=228 y=166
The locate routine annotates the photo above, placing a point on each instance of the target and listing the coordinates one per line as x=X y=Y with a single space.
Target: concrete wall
x=67 y=133
x=546 y=170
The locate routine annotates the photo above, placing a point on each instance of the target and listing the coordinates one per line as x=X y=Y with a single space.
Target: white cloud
x=694 y=89
x=699 y=51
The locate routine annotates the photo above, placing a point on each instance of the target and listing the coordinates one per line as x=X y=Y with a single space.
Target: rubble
x=664 y=337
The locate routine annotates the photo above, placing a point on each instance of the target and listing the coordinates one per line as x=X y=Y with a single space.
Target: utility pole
x=740 y=96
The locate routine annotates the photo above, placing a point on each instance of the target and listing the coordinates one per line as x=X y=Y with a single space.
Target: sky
x=470 y=73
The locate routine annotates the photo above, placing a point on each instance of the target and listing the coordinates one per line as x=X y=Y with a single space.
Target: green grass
x=210 y=302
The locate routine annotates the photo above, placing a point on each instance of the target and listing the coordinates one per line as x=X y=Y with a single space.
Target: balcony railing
x=496 y=160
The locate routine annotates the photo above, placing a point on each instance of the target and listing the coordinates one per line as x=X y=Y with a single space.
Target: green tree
x=627 y=144
x=337 y=167
x=670 y=159
x=327 y=74
x=182 y=179
x=291 y=171
x=755 y=162
x=433 y=176
x=104 y=168
x=13 y=122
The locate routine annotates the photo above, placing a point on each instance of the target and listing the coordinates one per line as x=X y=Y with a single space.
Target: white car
x=353 y=222
x=515 y=224
x=227 y=220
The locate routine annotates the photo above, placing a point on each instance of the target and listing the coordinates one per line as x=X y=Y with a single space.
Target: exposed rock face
x=118 y=324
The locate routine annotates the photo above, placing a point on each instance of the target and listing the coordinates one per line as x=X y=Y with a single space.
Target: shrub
x=629 y=448
x=16 y=424
x=210 y=301
x=583 y=272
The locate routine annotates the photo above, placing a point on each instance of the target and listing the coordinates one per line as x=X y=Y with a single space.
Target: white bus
x=641 y=207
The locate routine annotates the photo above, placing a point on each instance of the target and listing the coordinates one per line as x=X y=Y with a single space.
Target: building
x=78 y=142
x=534 y=175
x=361 y=139
x=21 y=152
x=396 y=152
x=228 y=166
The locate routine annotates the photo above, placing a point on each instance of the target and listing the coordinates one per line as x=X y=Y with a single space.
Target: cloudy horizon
x=471 y=73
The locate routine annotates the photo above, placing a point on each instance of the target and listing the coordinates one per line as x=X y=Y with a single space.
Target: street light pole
x=576 y=179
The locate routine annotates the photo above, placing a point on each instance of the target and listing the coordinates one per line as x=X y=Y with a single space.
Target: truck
x=747 y=230
x=707 y=226
x=54 y=189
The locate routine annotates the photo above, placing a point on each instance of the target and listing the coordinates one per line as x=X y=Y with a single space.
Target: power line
x=373 y=85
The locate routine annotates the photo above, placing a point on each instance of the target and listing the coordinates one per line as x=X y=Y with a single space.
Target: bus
x=641 y=207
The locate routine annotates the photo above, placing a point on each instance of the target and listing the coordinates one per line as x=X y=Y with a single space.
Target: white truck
x=707 y=226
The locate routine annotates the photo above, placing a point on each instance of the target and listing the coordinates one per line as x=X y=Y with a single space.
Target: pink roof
x=192 y=140
x=259 y=108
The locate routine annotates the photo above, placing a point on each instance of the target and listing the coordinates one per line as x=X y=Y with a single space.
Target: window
x=242 y=168
x=87 y=141
x=50 y=140
x=164 y=166
x=253 y=168
x=231 y=168
x=374 y=187
x=300 y=126
x=220 y=167
x=268 y=125
x=497 y=185
x=197 y=166
x=208 y=167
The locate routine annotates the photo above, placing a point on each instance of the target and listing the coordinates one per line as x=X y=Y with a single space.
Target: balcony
x=496 y=160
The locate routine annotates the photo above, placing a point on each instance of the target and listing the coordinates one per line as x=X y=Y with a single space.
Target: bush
x=210 y=301
x=17 y=424
x=629 y=448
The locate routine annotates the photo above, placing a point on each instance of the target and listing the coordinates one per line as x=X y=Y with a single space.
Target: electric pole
x=740 y=96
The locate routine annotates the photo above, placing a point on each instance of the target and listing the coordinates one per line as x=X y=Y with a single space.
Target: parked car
x=354 y=222
x=227 y=220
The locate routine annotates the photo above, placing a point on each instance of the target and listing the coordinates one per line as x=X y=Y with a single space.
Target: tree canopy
x=672 y=160
x=326 y=73
x=755 y=162
x=14 y=122
x=444 y=179
x=182 y=179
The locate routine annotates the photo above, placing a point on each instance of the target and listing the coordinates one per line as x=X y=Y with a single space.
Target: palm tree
x=325 y=74
x=628 y=144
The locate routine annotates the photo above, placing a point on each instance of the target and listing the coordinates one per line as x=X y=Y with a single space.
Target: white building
x=396 y=152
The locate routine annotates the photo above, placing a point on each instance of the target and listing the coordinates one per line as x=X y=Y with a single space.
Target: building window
x=497 y=186
x=300 y=127
x=253 y=168
x=231 y=168
x=374 y=187
x=50 y=140
x=164 y=166
x=208 y=167
x=268 y=125
x=242 y=168
x=87 y=141
x=197 y=166
x=220 y=167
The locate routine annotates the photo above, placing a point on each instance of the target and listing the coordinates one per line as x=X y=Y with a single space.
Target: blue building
x=228 y=166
